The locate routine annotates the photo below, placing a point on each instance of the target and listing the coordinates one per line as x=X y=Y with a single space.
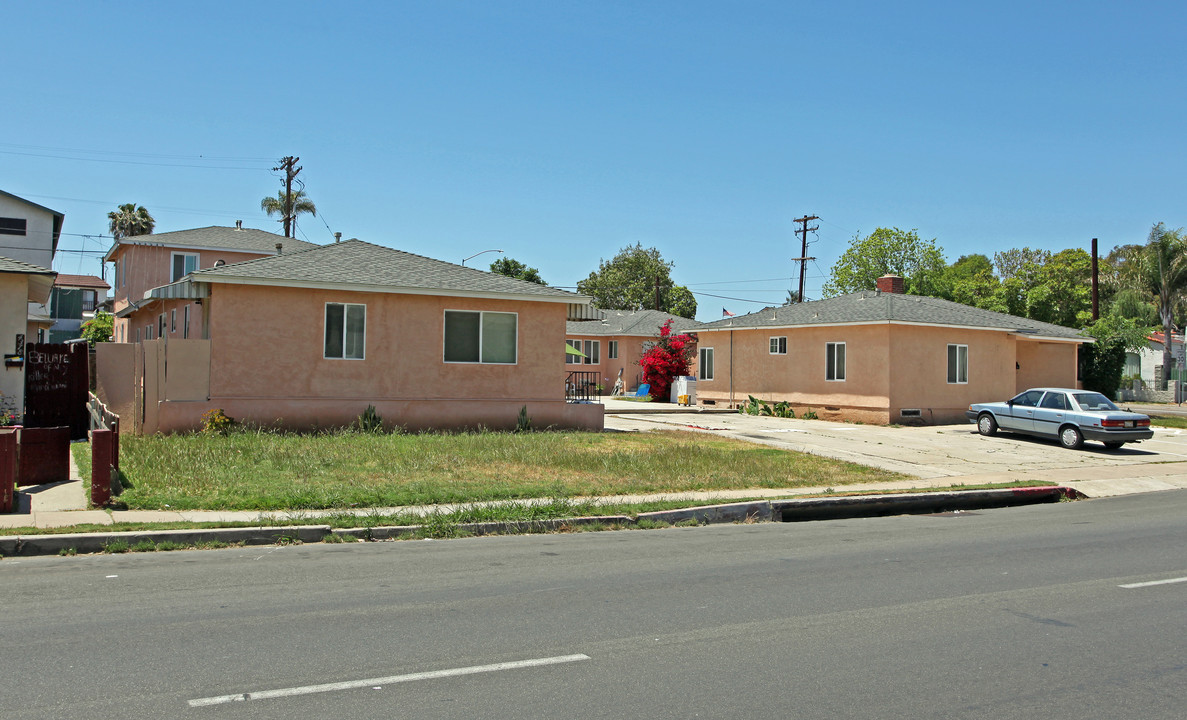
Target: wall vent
x=910 y=413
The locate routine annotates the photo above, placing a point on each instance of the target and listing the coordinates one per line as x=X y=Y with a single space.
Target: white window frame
x=702 y=353
x=185 y=321
x=481 y=330
x=831 y=369
x=345 y=331
x=571 y=359
x=593 y=352
x=173 y=320
x=962 y=363
x=174 y=277
x=611 y=349
x=778 y=345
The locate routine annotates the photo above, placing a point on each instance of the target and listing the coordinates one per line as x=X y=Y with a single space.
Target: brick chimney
x=891 y=284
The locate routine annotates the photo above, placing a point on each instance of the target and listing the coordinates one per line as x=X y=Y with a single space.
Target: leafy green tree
x=1062 y=292
x=128 y=220
x=514 y=268
x=970 y=281
x=288 y=207
x=1103 y=361
x=1162 y=272
x=888 y=251
x=99 y=328
x=628 y=282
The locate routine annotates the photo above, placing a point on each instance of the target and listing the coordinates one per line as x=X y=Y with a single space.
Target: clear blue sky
x=563 y=131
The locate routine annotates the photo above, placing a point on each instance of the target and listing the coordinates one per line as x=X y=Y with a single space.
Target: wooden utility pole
x=1095 y=285
x=803 y=258
x=290 y=172
x=657 y=307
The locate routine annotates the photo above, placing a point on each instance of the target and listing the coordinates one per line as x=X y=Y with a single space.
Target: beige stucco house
x=29 y=233
x=881 y=356
x=310 y=338
x=615 y=341
x=20 y=285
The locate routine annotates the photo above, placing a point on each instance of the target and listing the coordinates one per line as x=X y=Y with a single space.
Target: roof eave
x=568 y=298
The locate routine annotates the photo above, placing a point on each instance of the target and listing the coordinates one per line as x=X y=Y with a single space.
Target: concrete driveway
x=948 y=454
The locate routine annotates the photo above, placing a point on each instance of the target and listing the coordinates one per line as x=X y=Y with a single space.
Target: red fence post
x=7 y=471
x=100 y=467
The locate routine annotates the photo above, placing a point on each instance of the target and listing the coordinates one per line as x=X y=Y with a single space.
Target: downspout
x=731 y=369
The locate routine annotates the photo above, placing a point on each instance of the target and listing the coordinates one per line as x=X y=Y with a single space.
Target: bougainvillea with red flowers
x=669 y=358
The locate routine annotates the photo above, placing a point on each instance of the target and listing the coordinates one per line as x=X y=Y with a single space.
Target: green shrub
x=369 y=421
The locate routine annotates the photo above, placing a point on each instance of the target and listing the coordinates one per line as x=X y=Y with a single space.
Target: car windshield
x=1093 y=401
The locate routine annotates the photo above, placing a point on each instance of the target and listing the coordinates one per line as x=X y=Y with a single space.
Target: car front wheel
x=1071 y=438
x=986 y=425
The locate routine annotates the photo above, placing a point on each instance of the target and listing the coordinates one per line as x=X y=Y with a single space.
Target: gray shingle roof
x=365 y=266
x=16 y=266
x=874 y=307
x=227 y=238
x=625 y=322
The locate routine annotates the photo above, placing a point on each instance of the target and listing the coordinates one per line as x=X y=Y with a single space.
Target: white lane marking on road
x=372 y=682
x=1131 y=586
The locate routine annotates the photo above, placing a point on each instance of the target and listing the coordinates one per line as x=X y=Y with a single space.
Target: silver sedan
x=1071 y=416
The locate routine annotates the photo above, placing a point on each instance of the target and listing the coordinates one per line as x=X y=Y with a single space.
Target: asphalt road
x=1016 y=613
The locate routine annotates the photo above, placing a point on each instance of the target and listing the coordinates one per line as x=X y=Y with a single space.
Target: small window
x=88 y=300
x=161 y=326
x=183 y=264
x=346 y=331
x=779 y=345
x=173 y=320
x=705 y=366
x=958 y=364
x=593 y=352
x=612 y=350
x=573 y=358
x=481 y=337
x=834 y=360
x=185 y=321
x=13 y=226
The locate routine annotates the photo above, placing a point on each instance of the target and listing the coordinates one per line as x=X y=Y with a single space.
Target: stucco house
x=615 y=341
x=881 y=356
x=143 y=262
x=74 y=300
x=20 y=285
x=1147 y=364
x=29 y=233
x=310 y=338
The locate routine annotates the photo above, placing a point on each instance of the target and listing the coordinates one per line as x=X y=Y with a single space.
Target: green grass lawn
x=248 y=470
x=1170 y=421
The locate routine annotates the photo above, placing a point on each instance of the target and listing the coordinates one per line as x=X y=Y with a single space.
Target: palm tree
x=288 y=208
x=129 y=220
x=1162 y=271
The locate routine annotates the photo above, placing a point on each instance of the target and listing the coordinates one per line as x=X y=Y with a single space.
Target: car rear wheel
x=1113 y=445
x=986 y=425
x=1070 y=437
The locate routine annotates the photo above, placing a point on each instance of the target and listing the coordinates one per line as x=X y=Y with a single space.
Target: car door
x=1051 y=413
x=1019 y=414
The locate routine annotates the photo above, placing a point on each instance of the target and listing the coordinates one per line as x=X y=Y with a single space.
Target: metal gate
x=56 y=384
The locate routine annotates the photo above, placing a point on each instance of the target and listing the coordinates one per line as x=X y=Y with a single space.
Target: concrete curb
x=792 y=510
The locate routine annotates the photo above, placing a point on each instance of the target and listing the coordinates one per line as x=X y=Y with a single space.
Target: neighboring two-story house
x=29 y=234
x=75 y=300
x=144 y=262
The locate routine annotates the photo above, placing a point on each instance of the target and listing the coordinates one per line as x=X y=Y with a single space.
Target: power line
x=130 y=162
x=125 y=153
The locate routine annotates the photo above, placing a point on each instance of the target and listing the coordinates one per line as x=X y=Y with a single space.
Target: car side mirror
x=1010 y=402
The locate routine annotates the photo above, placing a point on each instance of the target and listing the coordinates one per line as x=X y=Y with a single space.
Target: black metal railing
x=582 y=386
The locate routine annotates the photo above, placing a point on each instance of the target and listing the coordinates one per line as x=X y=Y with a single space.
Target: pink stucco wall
x=264 y=364
x=889 y=368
